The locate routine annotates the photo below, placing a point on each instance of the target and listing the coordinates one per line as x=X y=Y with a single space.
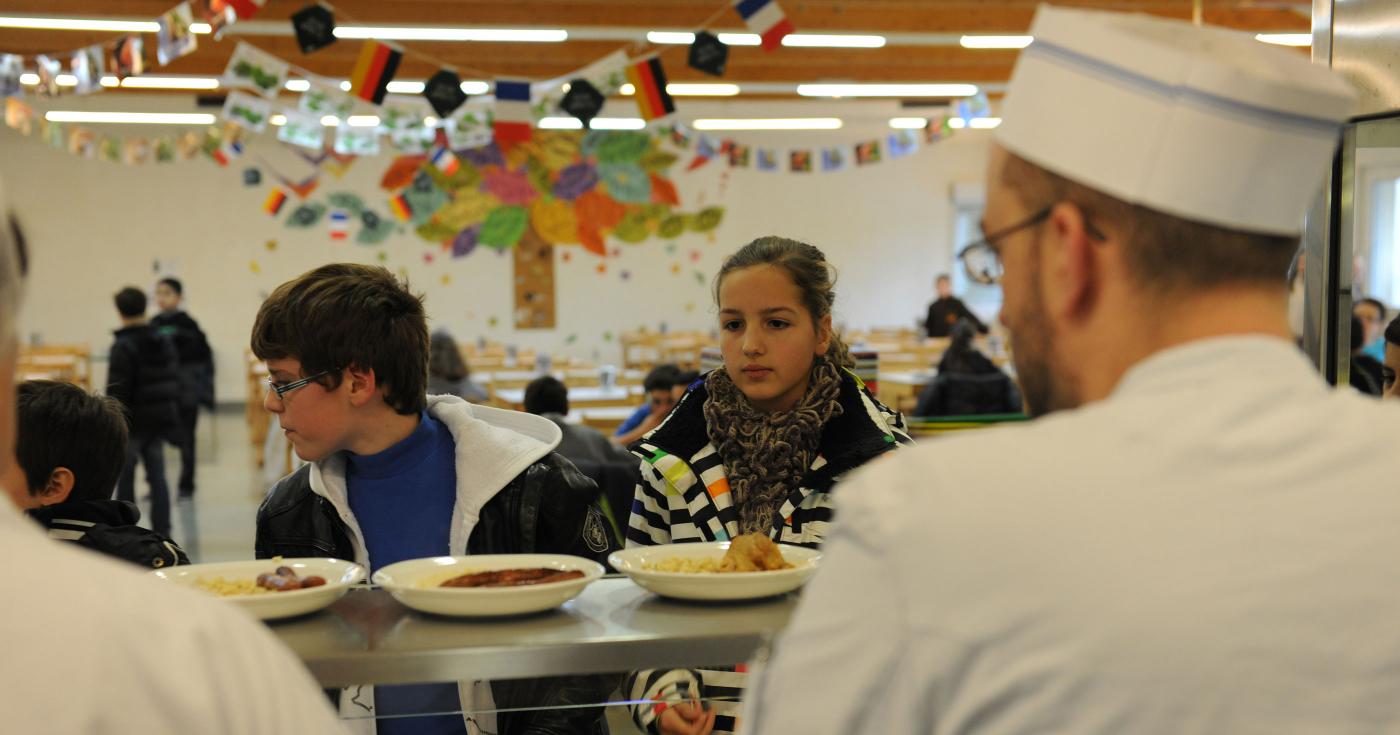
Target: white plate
x=339 y=575
x=414 y=583
x=727 y=586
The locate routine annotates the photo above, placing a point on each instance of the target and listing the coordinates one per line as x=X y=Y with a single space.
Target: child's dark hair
x=546 y=394
x=174 y=284
x=807 y=267
x=346 y=314
x=1392 y=331
x=62 y=425
x=662 y=377
x=131 y=301
x=445 y=358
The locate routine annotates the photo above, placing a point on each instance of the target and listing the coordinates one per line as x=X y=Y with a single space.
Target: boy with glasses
x=394 y=474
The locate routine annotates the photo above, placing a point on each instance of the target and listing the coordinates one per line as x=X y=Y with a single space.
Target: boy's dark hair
x=662 y=377
x=346 y=314
x=1392 y=331
x=445 y=358
x=174 y=284
x=62 y=425
x=131 y=302
x=546 y=394
x=1358 y=334
x=687 y=377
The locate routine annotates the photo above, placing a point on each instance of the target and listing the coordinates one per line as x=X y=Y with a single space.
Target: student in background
x=660 y=386
x=547 y=396
x=758 y=447
x=968 y=383
x=1391 y=367
x=1367 y=373
x=947 y=310
x=1372 y=313
x=141 y=374
x=448 y=372
x=195 y=371
x=69 y=451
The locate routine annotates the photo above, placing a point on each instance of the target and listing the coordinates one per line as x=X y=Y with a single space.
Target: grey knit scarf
x=765 y=455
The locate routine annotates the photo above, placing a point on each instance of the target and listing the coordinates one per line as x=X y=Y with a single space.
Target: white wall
x=96 y=226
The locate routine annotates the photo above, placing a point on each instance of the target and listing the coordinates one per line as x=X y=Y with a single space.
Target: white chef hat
x=1201 y=123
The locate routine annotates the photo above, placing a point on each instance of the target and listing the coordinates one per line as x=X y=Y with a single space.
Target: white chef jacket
x=94 y=646
x=1214 y=548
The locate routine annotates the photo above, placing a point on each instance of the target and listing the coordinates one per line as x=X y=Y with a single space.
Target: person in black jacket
x=195 y=370
x=141 y=374
x=947 y=310
x=394 y=474
x=70 y=447
x=968 y=384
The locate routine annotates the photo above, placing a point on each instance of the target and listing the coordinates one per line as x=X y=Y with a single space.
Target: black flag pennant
x=315 y=28
x=583 y=100
x=444 y=92
x=708 y=54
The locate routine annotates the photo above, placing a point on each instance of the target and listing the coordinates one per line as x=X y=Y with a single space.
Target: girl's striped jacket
x=684 y=496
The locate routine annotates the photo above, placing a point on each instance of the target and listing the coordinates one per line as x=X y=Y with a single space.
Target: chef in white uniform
x=1198 y=535
x=93 y=646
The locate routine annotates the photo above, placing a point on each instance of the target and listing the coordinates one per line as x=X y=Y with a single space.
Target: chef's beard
x=1034 y=352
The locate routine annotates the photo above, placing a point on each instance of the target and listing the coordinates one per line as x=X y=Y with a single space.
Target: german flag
x=274 y=201
x=649 y=82
x=374 y=70
x=401 y=208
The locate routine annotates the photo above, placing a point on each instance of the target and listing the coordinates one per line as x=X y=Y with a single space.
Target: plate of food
x=488 y=585
x=271 y=588
x=749 y=567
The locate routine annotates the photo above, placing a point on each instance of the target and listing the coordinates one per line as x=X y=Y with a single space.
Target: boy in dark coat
x=194 y=370
x=141 y=374
x=70 y=447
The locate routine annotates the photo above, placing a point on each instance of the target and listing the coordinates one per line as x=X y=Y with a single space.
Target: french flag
x=765 y=18
x=513 y=116
x=340 y=224
x=443 y=160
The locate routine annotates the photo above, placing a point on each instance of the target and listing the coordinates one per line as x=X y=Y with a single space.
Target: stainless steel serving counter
x=613 y=626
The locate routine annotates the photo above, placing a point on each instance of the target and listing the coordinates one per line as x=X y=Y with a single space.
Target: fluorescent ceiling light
x=330 y=121
x=996 y=41
x=110 y=81
x=345 y=86
x=683 y=37
x=776 y=123
x=407 y=33
x=202 y=29
x=430 y=121
x=627 y=90
x=560 y=123
x=984 y=123
x=740 y=39
x=702 y=90
x=819 y=40
x=29 y=78
x=617 y=123
x=405 y=87
x=957 y=123
x=297 y=85
x=476 y=87
x=66 y=80
x=363 y=121
x=1285 y=39
x=144 y=118
x=886 y=90
x=597 y=123
x=908 y=123
x=170 y=83
x=81 y=24
x=278 y=120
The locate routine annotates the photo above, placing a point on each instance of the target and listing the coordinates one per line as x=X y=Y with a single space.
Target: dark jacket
x=141 y=374
x=194 y=358
x=550 y=508
x=968 y=384
x=944 y=313
x=109 y=527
